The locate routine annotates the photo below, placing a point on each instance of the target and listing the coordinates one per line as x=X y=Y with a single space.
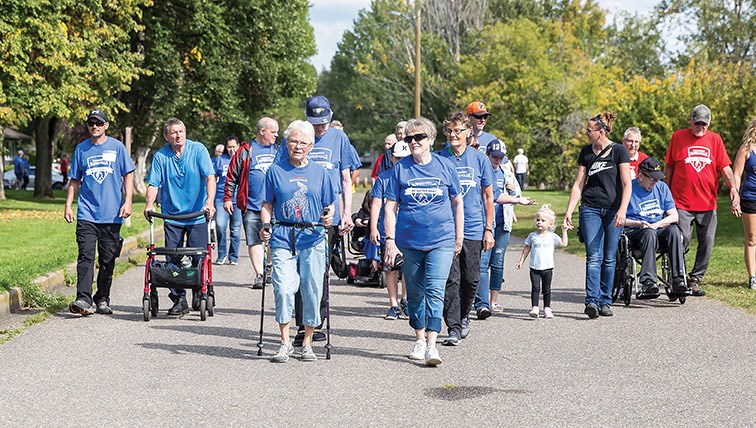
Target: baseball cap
x=496 y=149
x=701 y=113
x=400 y=149
x=652 y=167
x=97 y=114
x=478 y=108
x=318 y=110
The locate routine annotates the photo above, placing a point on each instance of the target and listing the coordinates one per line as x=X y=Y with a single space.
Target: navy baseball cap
x=318 y=110
x=496 y=149
x=97 y=114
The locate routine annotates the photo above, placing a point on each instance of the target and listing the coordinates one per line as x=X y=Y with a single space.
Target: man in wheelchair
x=651 y=226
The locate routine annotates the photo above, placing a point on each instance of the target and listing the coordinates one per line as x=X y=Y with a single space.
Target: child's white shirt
x=542 y=249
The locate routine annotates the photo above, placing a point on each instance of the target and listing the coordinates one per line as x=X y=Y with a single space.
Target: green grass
x=726 y=277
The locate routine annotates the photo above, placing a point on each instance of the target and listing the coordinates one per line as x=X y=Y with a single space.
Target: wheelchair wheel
x=154 y=305
x=627 y=290
x=682 y=300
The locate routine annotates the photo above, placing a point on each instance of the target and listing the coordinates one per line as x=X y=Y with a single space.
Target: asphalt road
x=654 y=363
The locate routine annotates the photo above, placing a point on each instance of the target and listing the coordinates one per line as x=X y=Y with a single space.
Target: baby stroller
x=179 y=270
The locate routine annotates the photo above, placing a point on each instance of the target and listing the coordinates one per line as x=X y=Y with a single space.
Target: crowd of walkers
x=439 y=215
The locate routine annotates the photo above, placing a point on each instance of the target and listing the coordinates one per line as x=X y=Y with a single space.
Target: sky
x=330 y=18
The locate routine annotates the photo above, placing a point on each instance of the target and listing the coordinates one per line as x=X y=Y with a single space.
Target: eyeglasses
x=653 y=180
x=295 y=143
x=481 y=116
x=417 y=137
x=457 y=131
x=701 y=124
x=93 y=123
x=632 y=141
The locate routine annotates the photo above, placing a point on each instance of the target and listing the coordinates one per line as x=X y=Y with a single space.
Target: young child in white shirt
x=540 y=245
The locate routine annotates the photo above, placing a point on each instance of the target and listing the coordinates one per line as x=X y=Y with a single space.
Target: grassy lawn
x=726 y=277
x=35 y=239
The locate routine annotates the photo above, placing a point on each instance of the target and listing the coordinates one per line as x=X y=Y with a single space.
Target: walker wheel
x=154 y=306
x=682 y=300
x=203 y=309
x=146 y=309
x=211 y=305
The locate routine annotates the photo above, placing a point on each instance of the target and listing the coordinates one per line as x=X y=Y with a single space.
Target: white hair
x=303 y=128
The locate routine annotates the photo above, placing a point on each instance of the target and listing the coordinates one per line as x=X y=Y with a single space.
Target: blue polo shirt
x=649 y=206
x=100 y=169
x=475 y=172
x=260 y=159
x=181 y=180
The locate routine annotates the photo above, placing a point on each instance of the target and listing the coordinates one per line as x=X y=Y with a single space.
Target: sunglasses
x=93 y=123
x=417 y=137
x=481 y=116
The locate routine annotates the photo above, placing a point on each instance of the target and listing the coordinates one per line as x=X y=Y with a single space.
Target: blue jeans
x=601 y=238
x=304 y=273
x=221 y=223
x=425 y=274
x=493 y=260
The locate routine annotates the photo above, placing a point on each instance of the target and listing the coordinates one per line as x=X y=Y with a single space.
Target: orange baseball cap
x=477 y=108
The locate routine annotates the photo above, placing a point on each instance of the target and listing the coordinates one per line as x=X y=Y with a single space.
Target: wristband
x=388 y=238
x=488 y=229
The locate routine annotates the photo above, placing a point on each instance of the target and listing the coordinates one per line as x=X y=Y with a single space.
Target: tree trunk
x=141 y=168
x=46 y=130
x=2 y=163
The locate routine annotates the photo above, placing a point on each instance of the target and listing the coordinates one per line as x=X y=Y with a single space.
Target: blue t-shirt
x=423 y=192
x=100 y=169
x=260 y=159
x=475 y=172
x=748 y=188
x=649 y=206
x=483 y=139
x=298 y=195
x=379 y=191
x=18 y=165
x=335 y=153
x=220 y=165
x=182 y=180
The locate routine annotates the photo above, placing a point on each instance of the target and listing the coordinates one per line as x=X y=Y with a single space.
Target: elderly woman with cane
x=428 y=232
x=301 y=194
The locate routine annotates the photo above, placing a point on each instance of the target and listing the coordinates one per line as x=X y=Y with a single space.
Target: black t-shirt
x=603 y=189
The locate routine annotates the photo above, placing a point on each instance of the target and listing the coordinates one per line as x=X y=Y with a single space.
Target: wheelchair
x=626 y=282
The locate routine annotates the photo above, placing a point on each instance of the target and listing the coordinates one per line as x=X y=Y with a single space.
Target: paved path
x=652 y=364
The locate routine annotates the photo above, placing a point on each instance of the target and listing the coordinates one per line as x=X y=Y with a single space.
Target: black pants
x=333 y=231
x=649 y=241
x=462 y=285
x=540 y=279
x=106 y=239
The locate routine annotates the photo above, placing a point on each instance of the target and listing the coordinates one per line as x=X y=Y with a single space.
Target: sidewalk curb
x=55 y=282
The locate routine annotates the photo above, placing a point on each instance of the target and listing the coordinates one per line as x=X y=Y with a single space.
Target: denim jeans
x=601 y=238
x=493 y=260
x=221 y=223
x=302 y=272
x=425 y=274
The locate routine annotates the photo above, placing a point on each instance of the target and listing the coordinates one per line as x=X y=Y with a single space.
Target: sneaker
x=233 y=262
x=393 y=313
x=695 y=287
x=308 y=354
x=418 y=351
x=679 y=286
x=465 y=327
x=606 y=311
x=282 y=355
x=104 y=308
x=547 y=312
x=752 y=283
x=453 y=339
x=650 y=289
x=258 y=283
x=591 y=310
x=180 y=307
x=432 y=358
x=533 y=312
x=220 y=261
x=496 y=307
x=318 y=336
x=82 y=307
x=484 y=313
x=404 y=314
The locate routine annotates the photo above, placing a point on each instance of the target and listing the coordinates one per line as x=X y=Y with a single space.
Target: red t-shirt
x=696 y=162
x=640 y=157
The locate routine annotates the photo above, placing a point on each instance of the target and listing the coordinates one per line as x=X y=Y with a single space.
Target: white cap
x=400 y=149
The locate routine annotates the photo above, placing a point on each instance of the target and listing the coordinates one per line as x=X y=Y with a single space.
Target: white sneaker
x=534 y=312
x=418 y=351
x=431 y=357
x=282 y=355
x=547 y=312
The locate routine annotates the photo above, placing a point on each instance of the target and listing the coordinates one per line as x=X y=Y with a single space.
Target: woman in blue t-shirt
x=603 y=183
x=297 y=190
x=428 y=232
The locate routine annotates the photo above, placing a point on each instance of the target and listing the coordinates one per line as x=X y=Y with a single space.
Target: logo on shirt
x=322 y=156
x=298 y=206
x=698 y=157
x=650 y=208
x=98 y=167
x=264 y=161
x=424 y=190
x=600 y=166
x=466 y=176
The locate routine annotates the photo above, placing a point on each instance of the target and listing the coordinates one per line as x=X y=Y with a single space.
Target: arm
x=565 y=238
x=128 y=187
x=577 y=190
x=346 y=207
x=669 y=218
x=730 y=179
x=389 y=223
x=232 y=182
x=739 y=166
x=523 y=256
x=210 y=202
x=488 y=205
x=458 y=210
x=73 y=189
x=375 y=211
x=627 y=190
x=152 y=192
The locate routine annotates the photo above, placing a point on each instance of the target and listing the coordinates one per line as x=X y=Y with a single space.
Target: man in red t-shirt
x=694 y=157
x=631 y=140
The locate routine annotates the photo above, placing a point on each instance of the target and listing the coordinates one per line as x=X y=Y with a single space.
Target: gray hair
x=172 y=121
x=301 y=127
x=401 y=125
x=422 y=124
x=390 y=137
x=632 y=130
x=265 y=122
